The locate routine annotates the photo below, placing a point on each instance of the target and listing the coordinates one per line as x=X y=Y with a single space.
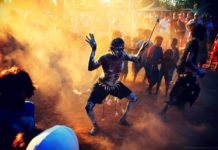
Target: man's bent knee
x=89 y=107
x=132 y=97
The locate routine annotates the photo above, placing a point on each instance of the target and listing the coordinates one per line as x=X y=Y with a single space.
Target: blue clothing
x=9 y=116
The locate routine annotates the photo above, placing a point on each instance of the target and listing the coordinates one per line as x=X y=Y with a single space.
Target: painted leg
x=149 y=89
x=89 y=109
x=135 y=75
x=167 y=84
x=132 y=99
x=163 y=112
x=158 y=84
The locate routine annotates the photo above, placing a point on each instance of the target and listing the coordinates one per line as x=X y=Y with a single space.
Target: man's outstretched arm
x=137 y=58
x=92 y=64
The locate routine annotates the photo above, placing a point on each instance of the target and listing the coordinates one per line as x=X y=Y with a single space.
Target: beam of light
x=7 y=1
x=54 y=2
x=105 y=1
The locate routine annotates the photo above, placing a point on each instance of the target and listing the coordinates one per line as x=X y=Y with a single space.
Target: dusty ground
x=196 y=128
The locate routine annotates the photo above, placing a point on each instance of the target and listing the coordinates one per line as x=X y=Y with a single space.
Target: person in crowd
x=165 y=70
x=16 y=113
x=168 y=65
x=186 y=88
x=172 y=25
x=136 y=67
x=154 y=57
x=180 y=30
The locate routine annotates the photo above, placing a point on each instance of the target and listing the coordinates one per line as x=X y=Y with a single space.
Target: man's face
x=118 y=50
x=173 y=44
x=158 y=42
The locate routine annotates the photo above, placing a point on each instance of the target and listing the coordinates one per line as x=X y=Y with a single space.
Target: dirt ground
x=195 y=128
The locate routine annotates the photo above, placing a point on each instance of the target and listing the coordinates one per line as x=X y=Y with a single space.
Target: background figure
x=175 y=58
x=165 y=29
x=197 y=19
x=188 y=24
x=136 y=67
x=186 y=89
x=153 y=58
x=167 y=66
x=172 y=25
x=16 y=114
x=180 y=31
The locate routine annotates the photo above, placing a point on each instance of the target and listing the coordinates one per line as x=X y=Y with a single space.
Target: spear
x=145 y=43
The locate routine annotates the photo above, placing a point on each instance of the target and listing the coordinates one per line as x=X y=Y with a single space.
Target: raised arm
x=92 y=63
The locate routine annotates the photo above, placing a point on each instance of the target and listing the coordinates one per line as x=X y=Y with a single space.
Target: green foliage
x=177 y=4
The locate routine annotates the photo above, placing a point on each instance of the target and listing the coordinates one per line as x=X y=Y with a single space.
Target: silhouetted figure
x=112 y=65
x=186 y=89
x=16 y=114
x=153 y=59
x=166 y=68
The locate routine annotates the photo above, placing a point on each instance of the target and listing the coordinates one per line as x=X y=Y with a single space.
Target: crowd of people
x=175 y=32
x=157 y=61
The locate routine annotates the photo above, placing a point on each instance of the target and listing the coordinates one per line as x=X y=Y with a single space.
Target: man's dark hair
x=116 y=42
x=175 y=41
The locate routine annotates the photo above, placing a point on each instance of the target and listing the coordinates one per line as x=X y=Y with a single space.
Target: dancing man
x=186 y=88
x=112 y=65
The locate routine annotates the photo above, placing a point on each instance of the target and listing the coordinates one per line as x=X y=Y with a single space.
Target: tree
x=177 y=4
